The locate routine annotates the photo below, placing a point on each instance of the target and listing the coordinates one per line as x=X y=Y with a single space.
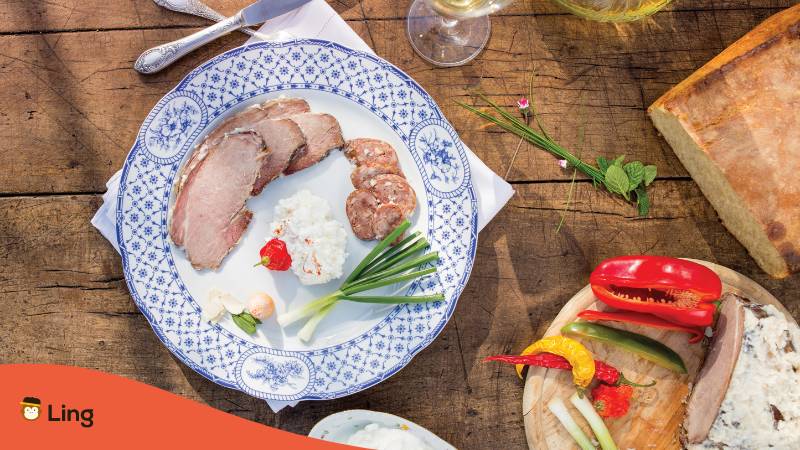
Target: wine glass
x=450 y=32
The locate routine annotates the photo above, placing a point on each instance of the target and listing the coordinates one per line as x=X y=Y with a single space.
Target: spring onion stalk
x=383 y=266
x=559 y=409
x=595 y=421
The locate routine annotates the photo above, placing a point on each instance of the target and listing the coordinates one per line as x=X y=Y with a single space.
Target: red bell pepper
x=674 y=289
x=641 y=319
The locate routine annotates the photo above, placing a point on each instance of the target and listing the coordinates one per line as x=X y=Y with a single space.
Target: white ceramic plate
x=340 y=426
x=357 y=345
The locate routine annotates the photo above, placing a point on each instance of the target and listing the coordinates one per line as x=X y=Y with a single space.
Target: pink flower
x=562 y=163
x=523 y=103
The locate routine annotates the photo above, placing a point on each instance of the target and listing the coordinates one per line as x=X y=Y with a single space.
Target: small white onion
x=260 y=305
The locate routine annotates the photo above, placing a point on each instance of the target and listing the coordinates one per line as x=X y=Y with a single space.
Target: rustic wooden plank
x=22 y=16
x=64 y=302
x=74 y=105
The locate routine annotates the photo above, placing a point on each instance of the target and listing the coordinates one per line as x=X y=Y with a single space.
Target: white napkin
x=316 y=19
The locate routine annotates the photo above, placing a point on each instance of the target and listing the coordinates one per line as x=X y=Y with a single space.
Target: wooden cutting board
x=656 y=413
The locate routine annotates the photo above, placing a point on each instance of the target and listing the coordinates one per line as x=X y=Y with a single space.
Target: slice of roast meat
x=366 y=150
x=714 y=378
x=282 y=107
x=323 y=135
x=364 y=172
x=360 y=208
x=284 y=140
x=394 y=189
x=209 y=216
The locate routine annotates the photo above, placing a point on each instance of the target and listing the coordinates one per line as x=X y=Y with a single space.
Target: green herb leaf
x=642 y=201
x=603 y=163
x=649 y=174
x=247 y=326
x=249 y=317
x=620 y=159
x=635 y=172
x=617 y=181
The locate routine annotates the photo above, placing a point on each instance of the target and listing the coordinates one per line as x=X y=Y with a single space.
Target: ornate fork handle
x=157 y=58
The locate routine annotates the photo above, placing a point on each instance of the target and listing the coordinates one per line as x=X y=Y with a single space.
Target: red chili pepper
x=641 y=319
x=603 y=372
x=612 y=401
x=274 y=256
x=674 y=289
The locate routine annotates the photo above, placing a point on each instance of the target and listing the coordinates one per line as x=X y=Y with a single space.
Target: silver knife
x=157 y=58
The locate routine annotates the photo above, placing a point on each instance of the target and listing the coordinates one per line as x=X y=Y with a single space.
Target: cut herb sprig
x=617 y=177
x=383 y=266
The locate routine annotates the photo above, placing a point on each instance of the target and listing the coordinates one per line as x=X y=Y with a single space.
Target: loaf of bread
x=735 y=125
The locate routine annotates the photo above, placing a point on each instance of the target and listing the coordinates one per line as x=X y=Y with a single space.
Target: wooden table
x=72 y=105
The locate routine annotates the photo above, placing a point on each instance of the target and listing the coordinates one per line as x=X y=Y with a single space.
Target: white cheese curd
x=761 y=408
x=377 y=437
x=315 y=241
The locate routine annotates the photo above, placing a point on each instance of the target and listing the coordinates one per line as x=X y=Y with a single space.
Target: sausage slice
x=365 y=150
x=360 y=208
x=394 y=189
x=365 y=172
x=387 y=217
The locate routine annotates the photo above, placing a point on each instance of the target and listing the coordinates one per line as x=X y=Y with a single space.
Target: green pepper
x=647 y=348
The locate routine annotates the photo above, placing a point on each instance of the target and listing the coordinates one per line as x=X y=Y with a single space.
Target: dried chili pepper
x=612 y=401
x=674 y=289
x=275 y=256
x=638 y=318
x=603 y=372
x=578 y=356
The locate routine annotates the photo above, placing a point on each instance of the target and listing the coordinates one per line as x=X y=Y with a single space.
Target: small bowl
x=340 y=426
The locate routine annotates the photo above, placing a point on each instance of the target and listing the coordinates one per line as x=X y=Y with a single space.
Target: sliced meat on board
x=712 y=382
x=209 y=216
x=323 y=135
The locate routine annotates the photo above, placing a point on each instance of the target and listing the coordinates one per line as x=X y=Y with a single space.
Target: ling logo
x=31 y=407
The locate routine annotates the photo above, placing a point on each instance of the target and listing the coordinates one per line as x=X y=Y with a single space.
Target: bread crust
x=742 y=109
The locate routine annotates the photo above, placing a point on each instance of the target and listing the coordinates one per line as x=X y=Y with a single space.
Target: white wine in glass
x=451 y=32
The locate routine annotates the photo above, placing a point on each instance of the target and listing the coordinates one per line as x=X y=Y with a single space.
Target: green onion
x=595 y=421
x=559 y=409
x=383 y=266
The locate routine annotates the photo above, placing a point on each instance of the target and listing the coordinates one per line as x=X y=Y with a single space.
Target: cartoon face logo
x=31 y=407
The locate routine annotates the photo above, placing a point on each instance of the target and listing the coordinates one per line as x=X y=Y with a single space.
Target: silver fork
x=200 y=9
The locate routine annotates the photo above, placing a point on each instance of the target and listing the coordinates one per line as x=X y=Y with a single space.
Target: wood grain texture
x=657 y=412
x=72 y=105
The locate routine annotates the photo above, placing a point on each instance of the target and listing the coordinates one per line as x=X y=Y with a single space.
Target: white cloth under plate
x=316 y=19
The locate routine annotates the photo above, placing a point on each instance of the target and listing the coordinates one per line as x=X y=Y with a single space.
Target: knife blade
x=157 y=58
x=263 y=10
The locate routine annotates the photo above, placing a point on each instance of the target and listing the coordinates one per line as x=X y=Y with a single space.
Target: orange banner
x=48 y=406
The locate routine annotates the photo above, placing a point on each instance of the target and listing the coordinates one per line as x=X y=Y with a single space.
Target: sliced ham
x=323 y=135
x=284 y=140
x=209 y=215
x=366 y=150
x=282 y=107
x=714 y=378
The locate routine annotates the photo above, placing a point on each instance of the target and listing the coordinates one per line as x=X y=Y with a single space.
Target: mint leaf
x=635 y=172
x=617 y=181
x=642 y=201
x=649 y=174
x=620 y=159
x=603 y=163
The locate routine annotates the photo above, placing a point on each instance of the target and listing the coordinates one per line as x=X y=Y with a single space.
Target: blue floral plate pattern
x=172 y=129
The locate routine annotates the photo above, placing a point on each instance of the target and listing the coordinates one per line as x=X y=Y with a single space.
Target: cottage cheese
x=377 y=437
x=766 y=378
x=315 y=241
